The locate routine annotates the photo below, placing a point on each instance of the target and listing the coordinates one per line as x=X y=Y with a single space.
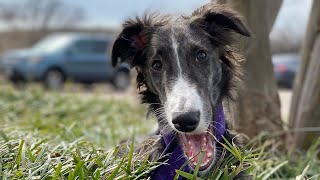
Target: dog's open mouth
x=194 y=144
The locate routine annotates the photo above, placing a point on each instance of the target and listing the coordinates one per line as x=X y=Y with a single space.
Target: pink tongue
x=194 y=144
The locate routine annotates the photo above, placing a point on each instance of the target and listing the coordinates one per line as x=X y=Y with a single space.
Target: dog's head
x=188 y=66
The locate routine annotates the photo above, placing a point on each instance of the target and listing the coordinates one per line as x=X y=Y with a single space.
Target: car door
x=103 y=68
x=86 y=62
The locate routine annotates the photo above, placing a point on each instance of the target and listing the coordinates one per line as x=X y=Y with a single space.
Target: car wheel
x=54 y=79
x=19 y=84
x=121 y=81
x=18 y=81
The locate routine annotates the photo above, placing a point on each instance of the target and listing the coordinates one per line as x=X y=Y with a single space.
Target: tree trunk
x=305 y=107
x=273 y=8
x=257 y=108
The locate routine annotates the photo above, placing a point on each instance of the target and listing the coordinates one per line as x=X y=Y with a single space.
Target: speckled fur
x=133 y=45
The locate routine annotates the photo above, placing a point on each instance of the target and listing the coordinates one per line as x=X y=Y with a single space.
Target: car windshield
x=52 y=43
x=285 y=59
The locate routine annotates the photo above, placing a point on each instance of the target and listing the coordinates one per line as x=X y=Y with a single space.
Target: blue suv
x=58 y=57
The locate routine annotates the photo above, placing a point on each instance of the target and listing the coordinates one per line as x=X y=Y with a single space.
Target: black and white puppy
x=186 y=67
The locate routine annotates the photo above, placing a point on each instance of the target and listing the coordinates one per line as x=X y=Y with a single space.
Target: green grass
x=70 y=117
x=47 y=135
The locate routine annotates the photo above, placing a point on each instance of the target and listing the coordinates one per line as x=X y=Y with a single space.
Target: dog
x=186 y=68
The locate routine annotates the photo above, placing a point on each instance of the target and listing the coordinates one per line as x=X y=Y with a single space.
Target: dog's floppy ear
x=215 y=16
x=134 y=38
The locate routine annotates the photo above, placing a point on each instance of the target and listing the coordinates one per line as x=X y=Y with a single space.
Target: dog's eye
x=156 y=65
x=201 y=55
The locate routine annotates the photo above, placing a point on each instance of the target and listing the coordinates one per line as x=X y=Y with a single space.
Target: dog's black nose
x=186 y=121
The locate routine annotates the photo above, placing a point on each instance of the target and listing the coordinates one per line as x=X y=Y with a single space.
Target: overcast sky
x=293 y=14
x=111 y=13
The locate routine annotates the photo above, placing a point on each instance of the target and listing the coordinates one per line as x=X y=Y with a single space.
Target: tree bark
x=273 y=8
x=221 y=1
x=257 y=108
x=305 y=107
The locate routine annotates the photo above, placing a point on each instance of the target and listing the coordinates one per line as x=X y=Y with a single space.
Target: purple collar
x=175 y=159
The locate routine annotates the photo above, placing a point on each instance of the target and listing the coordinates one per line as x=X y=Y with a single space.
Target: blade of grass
x=115 y=172
x=184 y=165
x=19 y=153
x=97 y=175
x=57 y=173
x=218 y=175
x=184 y=174
x=4 y=136
x=77 y=169
x=31 y=156
x=196 y=170
x=273 y=170
x=130 y=155
x=301 y=176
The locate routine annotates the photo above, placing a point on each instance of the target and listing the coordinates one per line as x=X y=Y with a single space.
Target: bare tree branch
x=40 y=15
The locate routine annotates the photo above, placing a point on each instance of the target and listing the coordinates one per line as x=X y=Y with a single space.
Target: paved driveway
x=285 y=99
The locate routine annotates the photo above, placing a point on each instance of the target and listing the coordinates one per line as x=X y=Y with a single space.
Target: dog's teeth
x=189 y=142
x=204 y=139
x=207 y=161
x=211 y=144
x=191 y=147
x=203 y=164
x=209 y=154
x=194 y=163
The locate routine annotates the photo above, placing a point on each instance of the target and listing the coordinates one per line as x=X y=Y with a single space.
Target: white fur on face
x=183 y=96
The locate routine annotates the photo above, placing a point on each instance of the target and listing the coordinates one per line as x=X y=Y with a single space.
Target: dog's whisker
x=212 y=135
x=180 y=157
x=168 y=130
x=160 y=108
x=156 y=103
x=160 y=116
x=158 y=111
x=217 y=122
x=162 y=119
x=214 y=128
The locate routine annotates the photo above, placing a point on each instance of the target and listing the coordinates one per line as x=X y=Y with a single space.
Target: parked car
x=285 y=67
x=58 y=57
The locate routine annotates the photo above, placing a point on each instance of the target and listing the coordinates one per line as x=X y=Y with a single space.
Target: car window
x=100 y=47
x=52 y=43
x=90 y=47
x=285 y=59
